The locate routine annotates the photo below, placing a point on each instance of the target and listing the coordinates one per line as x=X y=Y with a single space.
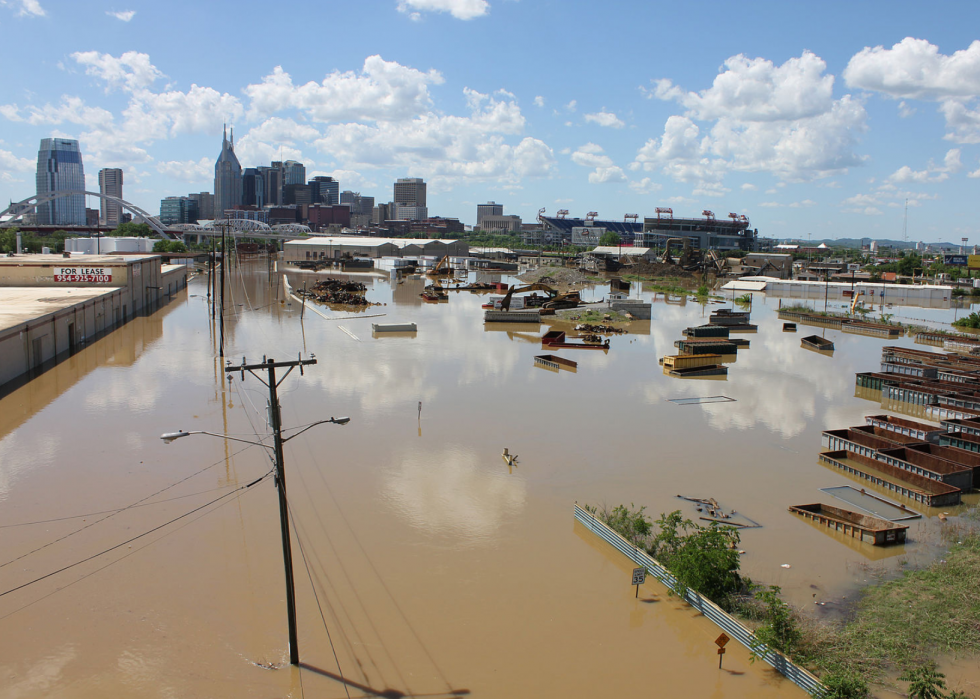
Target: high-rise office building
x=178 y=210
x=359 y=205
x=326 y=190
x=59 y=169
x=111 y=184
x=272 y=181
x=253 y=188
x=380 y=213
x=205 y=205
x=491 y=208
x=407 y=212
x=293 y=173
x=409 y=191
x=227 y=177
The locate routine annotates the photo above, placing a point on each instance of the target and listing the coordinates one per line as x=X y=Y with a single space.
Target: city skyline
x=818 y=122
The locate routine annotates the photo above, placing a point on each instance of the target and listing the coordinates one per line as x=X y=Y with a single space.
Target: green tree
x=780 y=631
x=8 y=240
x=703 y=559
x=169 y=246
x=909 y=265
x=844 y=685
x=610 y=238
x=925 y=683
x=632 y=523
x=130 y=229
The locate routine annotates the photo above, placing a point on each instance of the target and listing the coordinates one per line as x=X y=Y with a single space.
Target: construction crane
x=709 y=215
x=562 y=213
x=591 y=215
x=627 y=217
x=665 y=210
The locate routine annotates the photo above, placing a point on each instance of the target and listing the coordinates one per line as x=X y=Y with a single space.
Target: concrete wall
x=27 y=346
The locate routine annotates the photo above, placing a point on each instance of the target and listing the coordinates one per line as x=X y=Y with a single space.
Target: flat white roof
x=616 y=250
x=22 y=304
x=860 y=282
x=76 y=258
x=365 y=240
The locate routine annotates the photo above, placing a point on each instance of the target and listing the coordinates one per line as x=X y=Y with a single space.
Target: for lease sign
x=76 y=275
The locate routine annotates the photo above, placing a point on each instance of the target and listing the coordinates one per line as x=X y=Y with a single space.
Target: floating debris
x=337 y=292
x=600 y=329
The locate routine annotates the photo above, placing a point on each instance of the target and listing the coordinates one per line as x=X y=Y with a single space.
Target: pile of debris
x=600 y=329
x=560 y=277
x=338 y=292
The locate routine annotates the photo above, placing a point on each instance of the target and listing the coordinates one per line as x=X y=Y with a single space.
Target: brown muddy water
x=437 y=570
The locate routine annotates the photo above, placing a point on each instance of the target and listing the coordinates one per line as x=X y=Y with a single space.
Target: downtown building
x=408 y=203
x=59 y=169
x=227 y=178
x=111 y=184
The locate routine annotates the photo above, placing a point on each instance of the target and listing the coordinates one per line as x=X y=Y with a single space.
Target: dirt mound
x=657 y=269
x=561 y=277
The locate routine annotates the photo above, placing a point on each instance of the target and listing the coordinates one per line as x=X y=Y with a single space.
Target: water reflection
x=453 y=492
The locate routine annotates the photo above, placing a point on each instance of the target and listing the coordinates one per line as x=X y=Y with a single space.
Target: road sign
x=722 y=640
x=721 y=651
x=639 y=576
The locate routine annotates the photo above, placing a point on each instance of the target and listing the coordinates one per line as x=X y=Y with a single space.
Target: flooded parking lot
x=436 y=568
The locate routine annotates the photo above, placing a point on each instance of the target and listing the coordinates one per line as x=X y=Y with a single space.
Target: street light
x=276 y=448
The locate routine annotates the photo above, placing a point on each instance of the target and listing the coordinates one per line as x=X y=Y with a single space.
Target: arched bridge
x=16 y=211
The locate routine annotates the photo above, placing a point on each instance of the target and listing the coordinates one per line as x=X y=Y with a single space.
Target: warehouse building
x=50 y=305
x=336 y=247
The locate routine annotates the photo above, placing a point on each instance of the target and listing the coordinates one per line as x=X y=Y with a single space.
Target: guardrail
x=795 y=674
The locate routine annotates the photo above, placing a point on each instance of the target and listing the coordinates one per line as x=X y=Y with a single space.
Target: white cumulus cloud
x=915 y=69
x=190 y=171
x=25 y=8
x=123 y=15
x=757 y=117
x=382 y=90
x=605 y=118
x=130 y=71
x=932 y=173
x=460 y=9
x=539 y=101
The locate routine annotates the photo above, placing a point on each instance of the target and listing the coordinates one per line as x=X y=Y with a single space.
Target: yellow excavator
x=438 y=270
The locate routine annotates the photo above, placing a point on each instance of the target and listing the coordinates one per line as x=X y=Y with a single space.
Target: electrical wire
x=123 y=509
x=121 y=558
x=129 y=541
x=306 y=564
x=102 y=512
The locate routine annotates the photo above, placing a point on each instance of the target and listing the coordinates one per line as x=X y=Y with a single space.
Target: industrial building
x=335 y=247
x=559 y=229
x=51 y=304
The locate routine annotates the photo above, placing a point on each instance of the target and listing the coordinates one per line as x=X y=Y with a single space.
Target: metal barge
x=707 y=331
x=694 y=372
x=687 y=361
x=556 y=338
x=864 y=527
x=710 y=345
x=555 y=363
x=918 y=488
x=818 y=343
x=910 y=428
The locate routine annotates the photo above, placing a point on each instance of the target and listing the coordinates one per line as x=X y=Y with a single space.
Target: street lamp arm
x=336 y=421
x=171 y=436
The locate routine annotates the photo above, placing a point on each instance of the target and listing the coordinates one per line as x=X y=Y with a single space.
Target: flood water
x=425 y=566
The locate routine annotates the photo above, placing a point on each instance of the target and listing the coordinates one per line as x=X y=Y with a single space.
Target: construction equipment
x=505 y=303
x=685 y=257
x=711 y=257
x=438 y=270
x=856 y=300
x=555 y=299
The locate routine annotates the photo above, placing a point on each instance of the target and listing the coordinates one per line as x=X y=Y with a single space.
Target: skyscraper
x=272 y=178
x=227 y=177
x=409 y=200
x=111 y=183
x=253 y=188
x=326 y=190
x=491 y=208
x=293 y=173
x=59 y=169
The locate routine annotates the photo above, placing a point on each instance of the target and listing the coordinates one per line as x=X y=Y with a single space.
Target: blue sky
x=814 y=119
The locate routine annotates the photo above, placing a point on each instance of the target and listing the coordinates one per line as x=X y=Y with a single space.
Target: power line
x=129 y=541
x=123 y=509
x=306 y=564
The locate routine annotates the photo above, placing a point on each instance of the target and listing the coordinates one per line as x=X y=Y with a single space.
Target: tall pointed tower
x=227 y=176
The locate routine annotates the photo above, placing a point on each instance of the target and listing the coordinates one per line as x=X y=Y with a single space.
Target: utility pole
x=270 y=366
x=224 y=259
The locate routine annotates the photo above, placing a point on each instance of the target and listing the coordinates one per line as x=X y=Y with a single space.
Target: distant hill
x=896 y=244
